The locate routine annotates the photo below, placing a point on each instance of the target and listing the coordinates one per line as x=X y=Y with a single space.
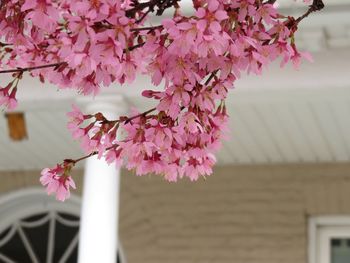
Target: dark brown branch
x=212 y=75
x=74 y=161
x=149 y=28
x=140 y=7
x=126 y=120
x=142 y=17
x=53 y=65
x=317 y=5
x=137 y=116
x=161 y=6
x=4 y=44
x=136 y=46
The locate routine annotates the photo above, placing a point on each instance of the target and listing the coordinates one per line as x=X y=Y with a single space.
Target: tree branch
x=4 y=44
x=212 y=75
x=149 y=28
x=126 y=120
x=54 y=65
x=161 y=5
x=137 y=116
x=32 y=68
x=317 y=5
x=74 y=161
x=136 y=46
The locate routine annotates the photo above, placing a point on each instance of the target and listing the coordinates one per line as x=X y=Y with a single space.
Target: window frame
x=33 y=200
x=321 y=230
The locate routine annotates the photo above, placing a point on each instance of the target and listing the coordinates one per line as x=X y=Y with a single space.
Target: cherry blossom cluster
x=57 y=180
x=87 y=44
x=8 y=93
x=154 y=143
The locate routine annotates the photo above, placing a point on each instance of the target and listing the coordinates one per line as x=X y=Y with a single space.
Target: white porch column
x=100 y=203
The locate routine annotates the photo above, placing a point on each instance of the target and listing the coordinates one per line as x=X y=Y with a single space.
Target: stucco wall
x=241 y=214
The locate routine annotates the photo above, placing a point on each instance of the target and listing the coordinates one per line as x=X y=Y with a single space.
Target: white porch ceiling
x=284 y=116
x=267 y=126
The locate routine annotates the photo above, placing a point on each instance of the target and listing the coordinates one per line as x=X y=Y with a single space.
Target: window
x=48 y=237
x=36 y=228
x=329 y=240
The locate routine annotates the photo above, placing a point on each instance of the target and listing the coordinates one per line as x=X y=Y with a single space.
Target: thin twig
x=74 y=161
x=4 y=44
x=161 y=5
x=142 y=17
x=56 y=65
x=317 y=5
x=135 y=46
x=213 y=74
x=32 y=68
x=138 y=115
x=149 y=28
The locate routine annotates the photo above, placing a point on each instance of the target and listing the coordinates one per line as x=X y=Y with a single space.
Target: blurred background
x=279 y=193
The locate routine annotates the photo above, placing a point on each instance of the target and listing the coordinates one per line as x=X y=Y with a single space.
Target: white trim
x=25 y=202
x=27 y=245
x=69 y=249
x=326 y=235
x=6 y=259
x=312 y=232
x=321 y=230
x=51 y=239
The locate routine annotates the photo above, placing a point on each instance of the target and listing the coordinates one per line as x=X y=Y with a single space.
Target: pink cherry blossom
x=57 y=181
x=194 y=60
x=76 y=119
x=9 y=100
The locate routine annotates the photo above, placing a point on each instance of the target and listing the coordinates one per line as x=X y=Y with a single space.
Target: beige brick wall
x=241 y=214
